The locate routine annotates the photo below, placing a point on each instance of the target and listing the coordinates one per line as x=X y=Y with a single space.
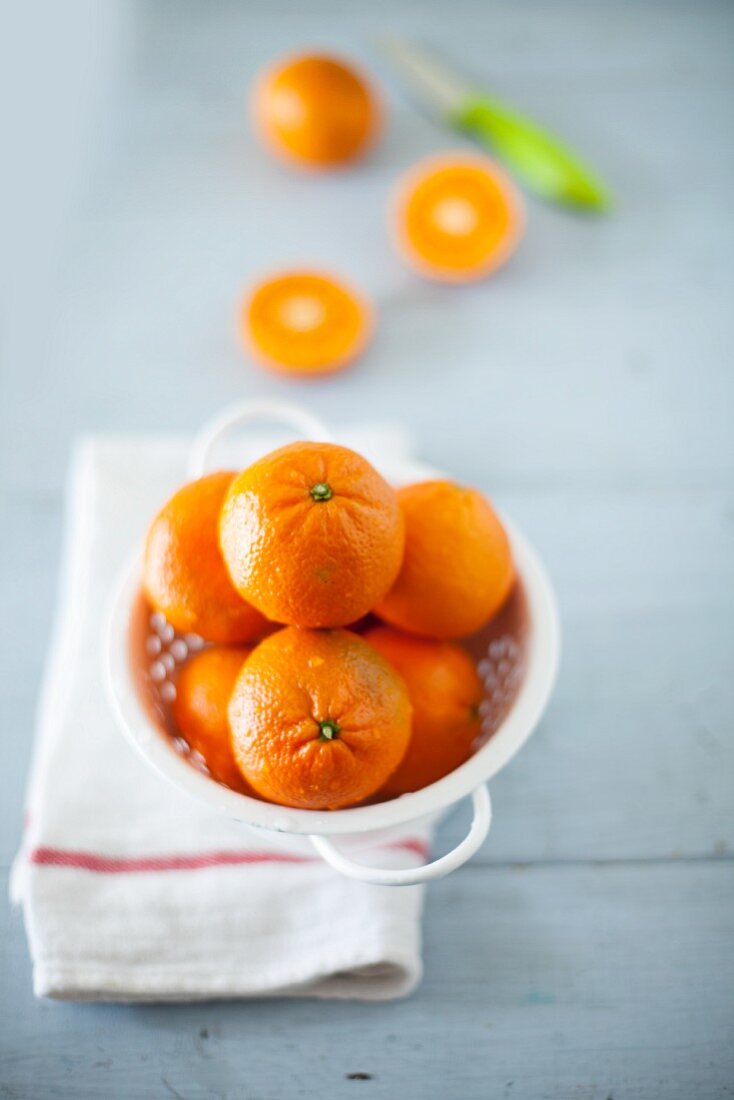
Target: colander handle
x=412 y=875
x=303 y=423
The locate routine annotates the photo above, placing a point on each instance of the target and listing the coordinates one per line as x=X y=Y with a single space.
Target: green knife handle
x=546 y=165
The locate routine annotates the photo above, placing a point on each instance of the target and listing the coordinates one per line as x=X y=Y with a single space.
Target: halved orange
x=305 y=322
x=458 y=217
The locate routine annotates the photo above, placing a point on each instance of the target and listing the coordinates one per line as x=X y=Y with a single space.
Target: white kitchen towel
x=133 y=891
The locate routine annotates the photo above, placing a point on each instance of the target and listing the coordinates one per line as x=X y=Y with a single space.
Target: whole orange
x=457 y=569
x=184 y=575
x=445 y=691
x=319 y=719
x=312 y=535
x=203 y=691
x=316 y=110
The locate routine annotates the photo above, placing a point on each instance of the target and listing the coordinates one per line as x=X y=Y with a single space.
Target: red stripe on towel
x=116 y=865
x=413 y=844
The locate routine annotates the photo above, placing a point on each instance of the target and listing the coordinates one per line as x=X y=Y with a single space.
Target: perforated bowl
x=517 y=658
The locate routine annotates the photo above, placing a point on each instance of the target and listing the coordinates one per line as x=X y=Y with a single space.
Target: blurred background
x=587 y=387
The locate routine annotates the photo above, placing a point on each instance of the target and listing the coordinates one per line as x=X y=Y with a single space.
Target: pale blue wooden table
x=588 y=952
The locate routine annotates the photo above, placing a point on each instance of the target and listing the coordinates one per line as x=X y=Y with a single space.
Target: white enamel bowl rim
x=541 y=665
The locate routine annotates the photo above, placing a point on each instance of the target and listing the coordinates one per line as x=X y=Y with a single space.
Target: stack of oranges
x=277 y=568
x=455 y=218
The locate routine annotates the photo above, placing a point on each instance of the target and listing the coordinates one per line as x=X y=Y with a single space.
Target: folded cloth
x=130 y=889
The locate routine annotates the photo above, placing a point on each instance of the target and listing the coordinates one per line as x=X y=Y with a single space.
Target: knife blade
x=545 y=164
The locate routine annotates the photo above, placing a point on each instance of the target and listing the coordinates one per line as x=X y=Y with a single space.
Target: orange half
x=305 y=323
x=458 y=217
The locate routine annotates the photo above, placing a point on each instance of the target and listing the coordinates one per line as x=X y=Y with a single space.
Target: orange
x=305 y=323
x=312 y=535
x=445 y=691
x=457 y=569
x=203 y=690
x=458 y=217
x=319 y=719
x=316 y=110
x=184 y=575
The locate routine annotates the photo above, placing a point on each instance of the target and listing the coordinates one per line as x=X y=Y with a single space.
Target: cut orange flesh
x=305 y=323
x=316 y=110
x=458 y=217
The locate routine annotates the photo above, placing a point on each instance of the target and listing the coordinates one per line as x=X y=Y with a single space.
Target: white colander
x=518 y=681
